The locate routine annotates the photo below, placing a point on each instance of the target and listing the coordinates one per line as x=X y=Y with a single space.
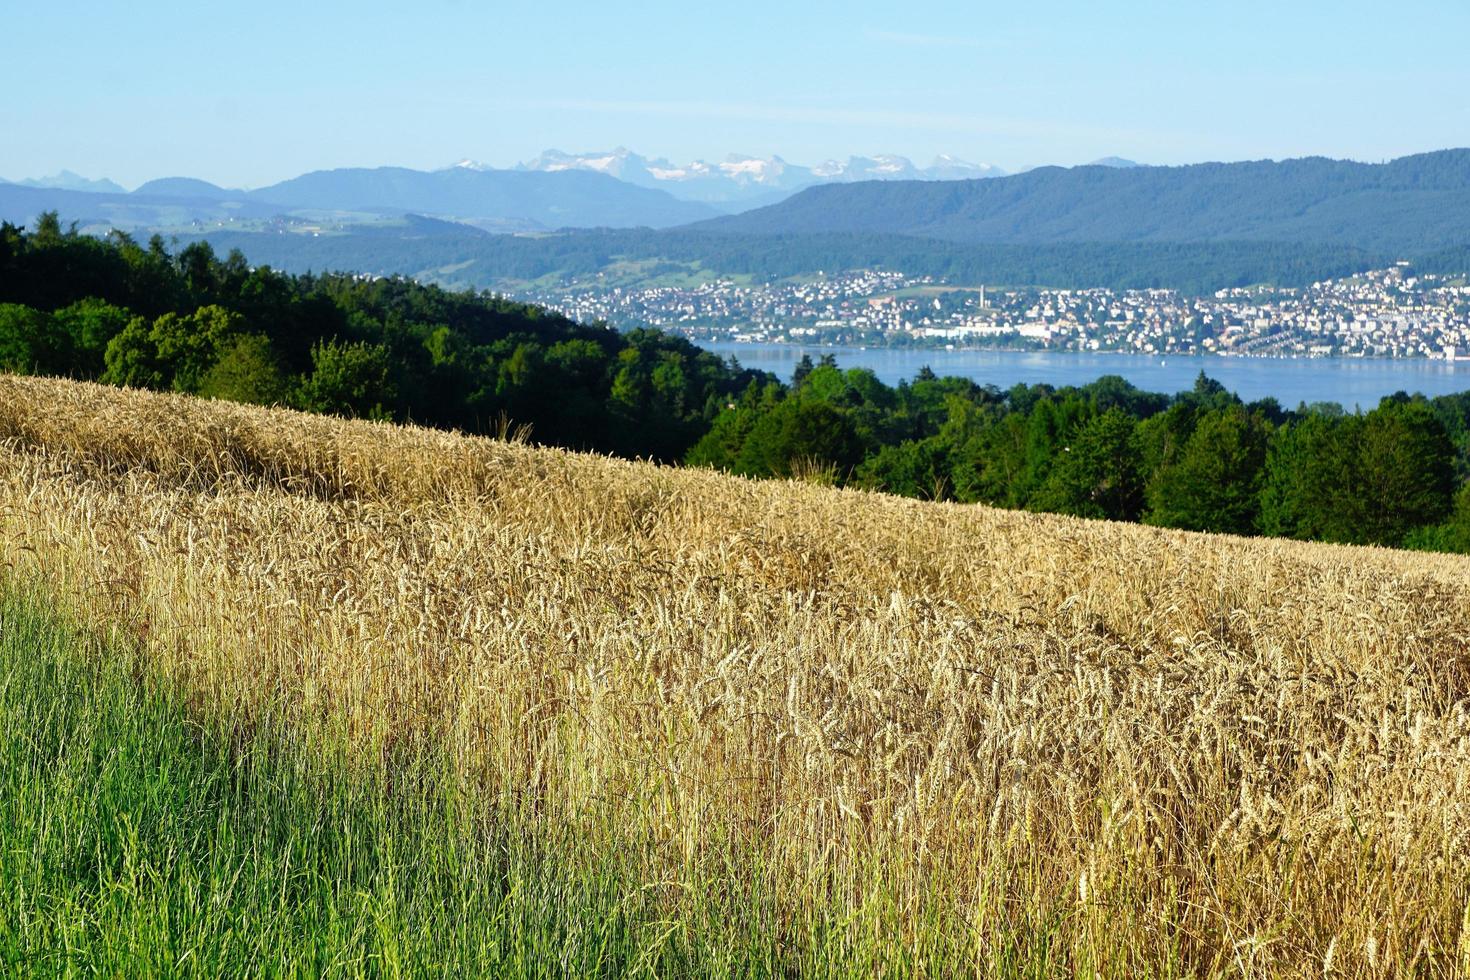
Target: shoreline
x=1212 y=355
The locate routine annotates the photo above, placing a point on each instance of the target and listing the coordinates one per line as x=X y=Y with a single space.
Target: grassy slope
x=747 y=726
x=142 y=840
x=139 y=843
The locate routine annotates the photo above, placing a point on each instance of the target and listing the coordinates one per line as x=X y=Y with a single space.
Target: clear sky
x=247 y=94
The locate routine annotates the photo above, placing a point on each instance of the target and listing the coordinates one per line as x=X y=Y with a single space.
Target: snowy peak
x=768 y=171
x=892 y=167
x=881 y=167
x=946 y=167
x=744 y=180
x=621 y=163
x=68 y=181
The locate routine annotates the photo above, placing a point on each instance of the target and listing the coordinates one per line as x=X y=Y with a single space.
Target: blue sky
x=247 y=94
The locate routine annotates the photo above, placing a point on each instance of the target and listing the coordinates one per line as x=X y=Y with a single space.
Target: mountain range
x=498 y=200
x=68 y=181
x=1406 y=205
x=616 y=189
x=1230 y=223
x=746 y=180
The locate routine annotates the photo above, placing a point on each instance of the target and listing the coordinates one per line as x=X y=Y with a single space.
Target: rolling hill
x=456 y=256
x=135 y=212
x=473 y=702
x=739 y=182
x=556 y=199
x=186 y=187
x=500 y=200
x=1413 y=204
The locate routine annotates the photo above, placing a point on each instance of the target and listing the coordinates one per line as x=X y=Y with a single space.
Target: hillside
x=1196 y=229
x=185 y=187
x=456 y=256
x=356 y=344
x=732 y=727
x=739 y=182
x=546 y=200
x=129 y=212
x=501 y=200
x=1410 y=205
x=389 y=348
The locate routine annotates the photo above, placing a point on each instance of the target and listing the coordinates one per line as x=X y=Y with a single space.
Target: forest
x=458 y=255
x=120 y=312
x=1410 y=206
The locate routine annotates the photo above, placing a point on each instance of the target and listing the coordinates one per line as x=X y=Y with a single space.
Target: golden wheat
x=1240 y=756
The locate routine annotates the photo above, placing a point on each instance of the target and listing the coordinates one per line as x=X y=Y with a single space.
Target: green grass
x=137 y=839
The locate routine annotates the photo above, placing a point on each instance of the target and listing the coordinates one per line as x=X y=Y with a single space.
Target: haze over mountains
x=615 y=189
x=1113 y=221
x=68 y=181
x=1409 y=204
x=499 y=200
x=749 y=181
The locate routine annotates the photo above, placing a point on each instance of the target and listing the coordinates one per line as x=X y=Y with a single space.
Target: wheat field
x=969 y=736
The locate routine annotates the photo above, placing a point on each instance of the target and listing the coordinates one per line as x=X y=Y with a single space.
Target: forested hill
x=1411 y=205
x=134 y=314
x=551 y=200
x=458 y=256
x=120 y=312
x=495 y=198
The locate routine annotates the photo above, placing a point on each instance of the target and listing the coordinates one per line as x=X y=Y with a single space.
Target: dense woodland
x=126 y=313
x=1201 y=459
x=1412 y=206
x=122 y=312
x=458 y=255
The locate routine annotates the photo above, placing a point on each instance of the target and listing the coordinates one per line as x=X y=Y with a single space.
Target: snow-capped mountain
x=946 y=167
x=891 y=167
x=68 y=181
x=750 y=181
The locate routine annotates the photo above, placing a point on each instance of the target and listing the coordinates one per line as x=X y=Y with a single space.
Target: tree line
x=121 y=312
x=439 y=251
x=1200 y=460
x=129 y=313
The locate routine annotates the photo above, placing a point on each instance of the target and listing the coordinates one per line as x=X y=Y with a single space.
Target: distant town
x=1384 y=313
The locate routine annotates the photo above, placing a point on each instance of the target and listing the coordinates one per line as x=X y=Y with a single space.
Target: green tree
x=174 y=351
x=1308 y=480
x=910 y=469
x=1096 y=475
x=721 y=445
x=1215 y=482
x=1453 y=534
x=89 y=326
x=248 y=372
x=670 y=384
x=798 y=432
x=1405 y=472
x=132 y=358
x=1050 y=425
x=353 y=379
x=191 y=345
x=1359 y=479
x=30 y=343
x=803 y=368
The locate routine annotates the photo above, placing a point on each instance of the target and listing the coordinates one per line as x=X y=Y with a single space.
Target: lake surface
x=1291 y=381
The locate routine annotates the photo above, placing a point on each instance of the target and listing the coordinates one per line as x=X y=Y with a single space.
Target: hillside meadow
x=297 y=695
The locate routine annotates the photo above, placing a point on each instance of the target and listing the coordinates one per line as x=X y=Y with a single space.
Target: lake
x=1291 y=381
